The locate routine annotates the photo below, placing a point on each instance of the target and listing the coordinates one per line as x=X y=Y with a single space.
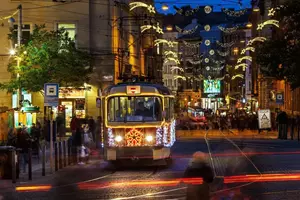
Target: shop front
x=72 y=102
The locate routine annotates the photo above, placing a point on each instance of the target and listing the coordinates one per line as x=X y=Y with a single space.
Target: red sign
x=133 y=89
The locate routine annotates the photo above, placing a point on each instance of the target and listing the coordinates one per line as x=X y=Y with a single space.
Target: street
x=231 y=159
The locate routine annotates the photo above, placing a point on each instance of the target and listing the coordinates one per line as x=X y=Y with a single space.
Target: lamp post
x=18 y=59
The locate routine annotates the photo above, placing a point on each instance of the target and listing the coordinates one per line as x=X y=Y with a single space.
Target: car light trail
x=37 y=188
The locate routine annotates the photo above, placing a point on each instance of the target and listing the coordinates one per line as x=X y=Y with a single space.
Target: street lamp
x=165 y=7
x=249 y=25
x=256 y=9
x=169 y=28
x=12 y=52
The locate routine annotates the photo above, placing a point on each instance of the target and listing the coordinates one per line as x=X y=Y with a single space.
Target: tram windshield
x=134 y=109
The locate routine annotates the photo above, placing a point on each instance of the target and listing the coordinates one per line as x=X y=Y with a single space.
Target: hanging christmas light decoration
x=207 y=42
x=178 y=76
x=134 y=138
x=163 y=41
x=217 y=68
x=186 y=31
x=192 y=45
x=207 y=9
x=156 y=28
x=111 y=138
x=176 y=67
x=225 y=45
x=249 y=58
x=218 y=62
x=188 y=12
x=272 y=11
x=197 y=56
x=159 y=136
x=257 y=39
x=220 y=78
x=194 y=62
x=207 y=27
x=209 y=77
x=206 y=60
x=134 y=5
x=9 y=16
x=207 y=68
x=172 y=59
x=224 y=54
x=243 y=65
x=228 y=30
x=237 y=76
x=172 y=53
x=211 y=52
x=247 y=49
x=233 y=13
x=268 y=22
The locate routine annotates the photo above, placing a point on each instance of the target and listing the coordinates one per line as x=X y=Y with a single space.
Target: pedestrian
x=199 y=168
x=282 y=120
x=23 y=143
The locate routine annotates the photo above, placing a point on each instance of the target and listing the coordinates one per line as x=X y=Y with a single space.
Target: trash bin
x=6 y=162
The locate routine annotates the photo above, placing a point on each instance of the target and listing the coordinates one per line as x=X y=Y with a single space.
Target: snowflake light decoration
x=207 y=42
x=207 y=9
x=134 y=138
x=207 y=27
x=212 y=52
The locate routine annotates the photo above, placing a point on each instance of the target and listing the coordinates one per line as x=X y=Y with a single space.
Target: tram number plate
x=136 y=89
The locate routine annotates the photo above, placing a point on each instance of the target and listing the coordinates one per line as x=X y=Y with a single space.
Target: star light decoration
x=244 y=58
x=243 y=65
x=172 y=53
x=272 y=11
x=247 y=49
x=172 y=59
x=163 y=41
x=176 y=67
x=147 y=27
x=237 y=76
x=134 y=5
x=257 y=39
x=178 y=76
x=134 y=138
x=268 y=22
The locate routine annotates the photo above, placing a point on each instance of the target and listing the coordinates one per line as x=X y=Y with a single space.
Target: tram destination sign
x=134 y=89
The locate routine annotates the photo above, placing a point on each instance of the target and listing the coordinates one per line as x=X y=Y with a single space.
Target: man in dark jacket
x=198 y=168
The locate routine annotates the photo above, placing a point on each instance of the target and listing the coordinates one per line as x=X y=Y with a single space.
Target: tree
x=279 y=57
x=48 y=57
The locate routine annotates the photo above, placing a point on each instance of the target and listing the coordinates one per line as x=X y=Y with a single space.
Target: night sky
x=217 y=4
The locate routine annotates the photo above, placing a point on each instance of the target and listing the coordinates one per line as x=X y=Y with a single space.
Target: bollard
x=29 y=164
x=65 y=145
x=56 y=156
x=13 y=164
x=60 y=153
x=43 y=160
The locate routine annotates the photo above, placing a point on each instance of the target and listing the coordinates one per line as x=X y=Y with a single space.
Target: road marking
x=210 y=155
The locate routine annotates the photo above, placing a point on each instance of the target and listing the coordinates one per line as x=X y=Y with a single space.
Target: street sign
x=264 y=119
x=51 y=94
x=279 y=98
x=98 y=102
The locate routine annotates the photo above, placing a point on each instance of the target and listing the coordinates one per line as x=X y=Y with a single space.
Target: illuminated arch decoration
x=163 y=41
x=156 y=28
x=233 y=13
x=192 y=45
x=172 y=59
x=249 y=58
x=188 y=12
x=257 y=39
x=224 y=54
x=186 y=31
x=134 y=138
x=237 y=76
x=247 y=49
x=243 y=65
x=228 y=30
x=176 y=67
x=179 y=77
x=172 y=53
x=225 y=45
x=268 y=22
x=134 y=5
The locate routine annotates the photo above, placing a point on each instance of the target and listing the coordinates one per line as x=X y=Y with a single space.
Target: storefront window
x=69 y=114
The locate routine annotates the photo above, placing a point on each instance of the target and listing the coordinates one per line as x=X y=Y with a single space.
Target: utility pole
x=18 y=59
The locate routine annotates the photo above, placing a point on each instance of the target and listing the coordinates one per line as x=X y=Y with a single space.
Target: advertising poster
x=212 y=86
x=264 y=119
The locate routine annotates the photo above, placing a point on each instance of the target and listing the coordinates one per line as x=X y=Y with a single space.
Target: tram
x=138 y=121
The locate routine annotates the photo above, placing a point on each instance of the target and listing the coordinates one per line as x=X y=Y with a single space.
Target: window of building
x=70 y=29
x=26 y=31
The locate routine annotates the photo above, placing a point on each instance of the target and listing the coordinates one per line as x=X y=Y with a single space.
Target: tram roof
x=145 y=87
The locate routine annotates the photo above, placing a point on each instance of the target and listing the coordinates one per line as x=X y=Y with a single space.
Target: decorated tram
x=138 y=121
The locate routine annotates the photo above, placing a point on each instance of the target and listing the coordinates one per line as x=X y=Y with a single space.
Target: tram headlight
x=118 y=138
x=149 y=138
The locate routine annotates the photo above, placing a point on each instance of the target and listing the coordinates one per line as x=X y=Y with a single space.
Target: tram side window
x=167 y=108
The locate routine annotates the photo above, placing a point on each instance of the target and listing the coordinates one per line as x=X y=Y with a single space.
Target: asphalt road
x=278 y=160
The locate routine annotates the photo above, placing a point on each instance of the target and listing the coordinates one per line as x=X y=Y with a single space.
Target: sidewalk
x=232 y=133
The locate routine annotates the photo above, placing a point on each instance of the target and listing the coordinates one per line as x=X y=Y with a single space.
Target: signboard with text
x=264 y=119
x=279 y=99
x=51 y=94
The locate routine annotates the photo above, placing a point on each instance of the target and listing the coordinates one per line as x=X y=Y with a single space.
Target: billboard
x=212 y=86
x=264 y=119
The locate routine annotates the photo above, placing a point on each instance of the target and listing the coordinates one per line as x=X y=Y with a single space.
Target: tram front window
x=134 y=109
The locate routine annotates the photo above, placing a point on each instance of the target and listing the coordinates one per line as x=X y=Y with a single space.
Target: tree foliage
x=280 y=56
x=48 y=57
